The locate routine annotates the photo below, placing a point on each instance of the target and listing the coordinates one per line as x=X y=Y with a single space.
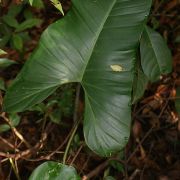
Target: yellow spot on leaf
x=116 y=68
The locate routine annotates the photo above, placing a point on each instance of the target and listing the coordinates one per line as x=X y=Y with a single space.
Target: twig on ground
x=134 y=174
x=84 y=165
x=15 y=169
x=15 y=131
x=101 y=167
x=79 y=150
x=27 y=152
x=96 y=171
x=31 y=150
x=9 y=144
x=144 y=167
x=48 y=157
x=139 y=144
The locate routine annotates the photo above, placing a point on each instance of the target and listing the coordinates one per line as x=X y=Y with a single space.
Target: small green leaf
x=17 y=42
x=4 y=62
x=29 y=23
x=4 y=29
x=10 y=20
x=41 y=108
x=177 y=102
x=36 y=3
x=58 y=5
x=31 y=2
x=5 y=34
x=2 y=52
x=14 y=10
x=4 y=40
x=24 y=36
x=55 y=116
x=14 y=118
x=117 y=165
x=155 y=55
x=140 y=85
x=54 y=171
x=51 y=103
x=28 y=14
x=155 y=22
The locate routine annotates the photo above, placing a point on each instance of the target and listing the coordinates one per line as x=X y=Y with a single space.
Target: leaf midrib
x=96 y=38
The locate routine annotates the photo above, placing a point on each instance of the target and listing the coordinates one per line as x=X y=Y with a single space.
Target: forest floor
x=153 y=151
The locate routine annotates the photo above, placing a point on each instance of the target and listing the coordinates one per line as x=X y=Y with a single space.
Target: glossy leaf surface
x=54 y=171
x=95 y=45
x=155 y=55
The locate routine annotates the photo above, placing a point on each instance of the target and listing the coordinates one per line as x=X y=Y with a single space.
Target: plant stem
x=69 y=143
x=14 y=169
x=15 y=131
x=76 y=121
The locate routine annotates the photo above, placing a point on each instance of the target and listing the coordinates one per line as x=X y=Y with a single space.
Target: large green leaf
x=155 y=55
x=54 y=171
x=95 y=44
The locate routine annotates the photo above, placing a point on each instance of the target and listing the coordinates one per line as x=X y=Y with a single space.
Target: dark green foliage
x=54 y=171
x=12 y=30
x=155 y=55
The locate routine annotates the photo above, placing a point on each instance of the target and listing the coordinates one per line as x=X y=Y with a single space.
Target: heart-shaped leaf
x=155 y=55
x=54 y=171
x=95 y=45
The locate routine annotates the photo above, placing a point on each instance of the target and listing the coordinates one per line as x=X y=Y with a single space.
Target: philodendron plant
x=97 y=45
